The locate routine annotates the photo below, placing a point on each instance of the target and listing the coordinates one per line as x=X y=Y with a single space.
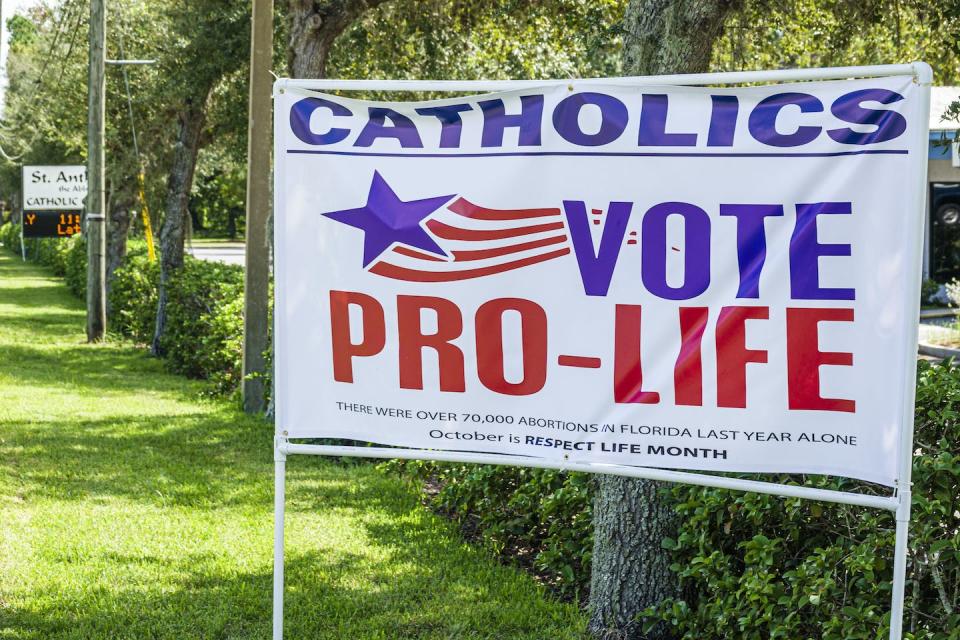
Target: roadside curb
x=945 y=312
x=936 y=351
x=941 y=312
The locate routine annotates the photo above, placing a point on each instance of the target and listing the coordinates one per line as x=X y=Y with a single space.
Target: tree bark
x=673 y=36
x=312 y=28
x=313 y=25
x=179 y=183
x=16 y=208
x=121 y=215
x=631 y=570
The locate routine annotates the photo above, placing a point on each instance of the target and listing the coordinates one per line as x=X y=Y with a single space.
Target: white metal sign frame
x=898 y=503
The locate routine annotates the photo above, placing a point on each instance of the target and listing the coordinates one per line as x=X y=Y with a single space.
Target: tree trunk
x=672 y=36
x=121 y=215
x=232 y=214
x=313 y=25
x=312 y=28
x=631 y=570
x=179 y=184
x=16 y=208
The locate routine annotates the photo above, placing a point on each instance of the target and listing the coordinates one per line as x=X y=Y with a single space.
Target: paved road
x=228 y=253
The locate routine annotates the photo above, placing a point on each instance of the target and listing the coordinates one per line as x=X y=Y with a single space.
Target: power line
x=145 y=212
x=73 y=41
x=126 y=85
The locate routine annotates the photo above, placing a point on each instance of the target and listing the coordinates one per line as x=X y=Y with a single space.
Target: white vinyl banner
x=674 y=277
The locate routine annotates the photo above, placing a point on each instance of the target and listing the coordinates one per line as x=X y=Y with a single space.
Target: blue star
x=386 y=219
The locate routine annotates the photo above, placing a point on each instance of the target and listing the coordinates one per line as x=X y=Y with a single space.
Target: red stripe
x=411 y=253
x=447 y=232
x=469 y=210
x=480 y=254
x=388 y=270
x=585 y=362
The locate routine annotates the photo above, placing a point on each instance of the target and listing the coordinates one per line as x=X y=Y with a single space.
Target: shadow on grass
x=195 y=459
x=204 y=460
x=329 y=596
x=44 y=290
x=90 y=369
x=322 y=604
x=419 y=580
x=388 y=569
x=51 y=325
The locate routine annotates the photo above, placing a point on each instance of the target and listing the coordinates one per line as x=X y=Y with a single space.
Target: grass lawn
x=130 y=507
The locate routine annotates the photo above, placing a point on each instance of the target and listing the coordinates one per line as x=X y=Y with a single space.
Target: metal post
x=23 y=214
x=96 y=216
x=923 y=76
x=686 y=79
x=900 y=565
x=257 y=271
x=279 y=507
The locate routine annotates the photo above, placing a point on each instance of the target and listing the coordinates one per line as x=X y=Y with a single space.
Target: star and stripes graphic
x=465 y=240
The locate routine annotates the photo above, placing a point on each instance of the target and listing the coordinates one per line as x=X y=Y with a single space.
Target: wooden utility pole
x=257 y=273
x=96 y=215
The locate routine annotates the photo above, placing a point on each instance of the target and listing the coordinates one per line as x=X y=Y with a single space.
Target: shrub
x=224 y=345
x=75 y=266
x=540 y=517
x=133 y=298
x=10 y=237
x=205 y=322
x=953 y=293
x=55 y=253
x=765 y=567
x=204 y=331
x=928 y=291
x=754 y=566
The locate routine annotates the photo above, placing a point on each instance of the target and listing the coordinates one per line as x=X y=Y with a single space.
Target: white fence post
x=900 y=565
x=279 y=506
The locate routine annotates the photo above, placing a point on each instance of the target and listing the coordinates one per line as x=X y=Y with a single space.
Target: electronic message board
x=51 y=224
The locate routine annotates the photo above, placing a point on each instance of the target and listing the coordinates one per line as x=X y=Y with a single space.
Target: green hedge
x=10 y=237
x=540 y=517
x=133 y=298
x=755 y=566
x=66 y=257
x=204 y=334
x=763 y=567
x=205 y=313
